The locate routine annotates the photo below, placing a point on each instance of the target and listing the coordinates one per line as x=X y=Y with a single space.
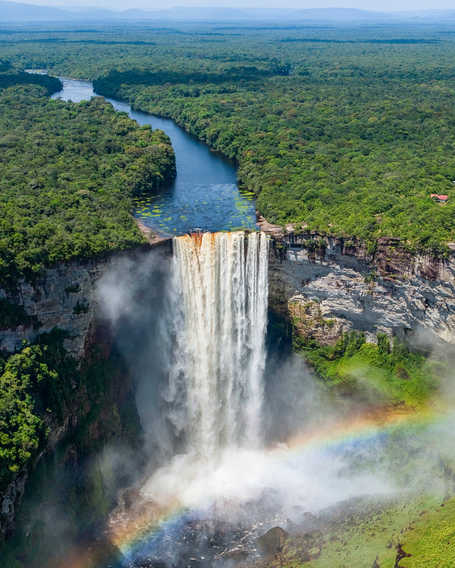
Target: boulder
x=272 y=541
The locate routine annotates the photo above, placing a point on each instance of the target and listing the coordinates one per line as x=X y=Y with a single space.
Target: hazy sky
x=379 y=5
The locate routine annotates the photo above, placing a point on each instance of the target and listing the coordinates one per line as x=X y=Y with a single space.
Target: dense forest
x=68 y=174
x=347 y=131
x=34 y=391
x=12 y=77
x=351 y=154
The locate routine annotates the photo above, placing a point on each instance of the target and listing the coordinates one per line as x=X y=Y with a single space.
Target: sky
x=377 y=5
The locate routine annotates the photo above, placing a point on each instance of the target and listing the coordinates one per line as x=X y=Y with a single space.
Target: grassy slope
x=384 y=373
x=425 y=528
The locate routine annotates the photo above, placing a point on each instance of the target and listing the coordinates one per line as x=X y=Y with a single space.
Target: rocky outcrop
x=9 y=502
x=272 y=542
x=62 y=297
x=327 y=286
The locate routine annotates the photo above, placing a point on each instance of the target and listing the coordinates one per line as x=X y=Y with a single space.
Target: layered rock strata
x=327 y=286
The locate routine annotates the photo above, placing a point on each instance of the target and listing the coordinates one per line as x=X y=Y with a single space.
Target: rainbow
x=364 y=427
x=130 y=534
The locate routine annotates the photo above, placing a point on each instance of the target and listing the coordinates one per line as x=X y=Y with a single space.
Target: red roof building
x=440 y=198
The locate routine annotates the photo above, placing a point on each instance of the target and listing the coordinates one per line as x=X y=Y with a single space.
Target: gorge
x=214 y=420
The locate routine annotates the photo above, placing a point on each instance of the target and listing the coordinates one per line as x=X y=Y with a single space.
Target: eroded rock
x=272 y=541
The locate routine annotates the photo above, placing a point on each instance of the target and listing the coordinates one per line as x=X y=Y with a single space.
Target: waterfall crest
x=222 y=290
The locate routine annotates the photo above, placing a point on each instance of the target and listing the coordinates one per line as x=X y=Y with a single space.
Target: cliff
x=324 y=285
x=327 y=286
x=100 y=404
x=62 y=297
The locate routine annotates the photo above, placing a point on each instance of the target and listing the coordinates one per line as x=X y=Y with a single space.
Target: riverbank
x=204 y=194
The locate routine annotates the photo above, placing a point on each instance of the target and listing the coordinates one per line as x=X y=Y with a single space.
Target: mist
x=319 y=451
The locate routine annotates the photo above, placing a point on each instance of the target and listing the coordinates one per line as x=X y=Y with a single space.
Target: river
x=204 y=194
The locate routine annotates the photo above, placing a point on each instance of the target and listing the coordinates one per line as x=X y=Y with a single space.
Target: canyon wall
x=327 y=286
x=65 y=297
x=62 y=297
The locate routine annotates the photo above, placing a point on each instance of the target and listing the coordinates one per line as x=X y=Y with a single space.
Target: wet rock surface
x=198 y=544
x=253 y=534
x=64 y=297
x=272 y=541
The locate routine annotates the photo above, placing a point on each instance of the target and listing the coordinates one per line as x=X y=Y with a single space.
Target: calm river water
x=204 y=194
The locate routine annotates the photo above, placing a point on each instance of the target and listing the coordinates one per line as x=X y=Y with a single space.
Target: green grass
x=381 y=372
x=423 y=526
x=431 y=538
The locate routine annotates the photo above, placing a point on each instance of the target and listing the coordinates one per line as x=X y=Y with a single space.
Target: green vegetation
x=68 y=175
x=384 y=372
x=429 y=539
x=37 y=390
x=366 y=533
x=33 y=391
x=10 y=77
x=20 y=428
x=328 y=138
x=78 y=481
x=345 y=130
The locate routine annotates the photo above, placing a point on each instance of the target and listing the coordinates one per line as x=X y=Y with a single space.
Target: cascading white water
x=222 y=289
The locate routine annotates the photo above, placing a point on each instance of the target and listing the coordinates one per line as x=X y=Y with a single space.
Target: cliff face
x=65 y=297
x=327 y=286
x=62 y=297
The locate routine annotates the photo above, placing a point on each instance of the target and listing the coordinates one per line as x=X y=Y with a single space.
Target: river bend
x=204 y=193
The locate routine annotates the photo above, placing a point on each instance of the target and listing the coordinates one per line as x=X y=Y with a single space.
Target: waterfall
x=222 y=290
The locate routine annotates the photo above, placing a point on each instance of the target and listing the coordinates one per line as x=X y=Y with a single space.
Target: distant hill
x=430 y=15
x=14 y=12
x=341 y=14
x=238 y=14
x=20 y=12
x=195 y=13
